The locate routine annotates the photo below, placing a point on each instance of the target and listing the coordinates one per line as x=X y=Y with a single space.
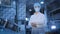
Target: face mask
x=37 y=9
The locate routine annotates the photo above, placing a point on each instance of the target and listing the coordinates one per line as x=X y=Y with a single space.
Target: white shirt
x=39 y=19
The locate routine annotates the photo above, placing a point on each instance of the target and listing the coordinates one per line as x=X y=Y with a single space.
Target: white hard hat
x=36 y=4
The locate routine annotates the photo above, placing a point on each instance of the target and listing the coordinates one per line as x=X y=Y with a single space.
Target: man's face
x=37 y=8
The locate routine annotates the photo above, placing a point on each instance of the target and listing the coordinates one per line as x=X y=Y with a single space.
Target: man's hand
x=34 y=24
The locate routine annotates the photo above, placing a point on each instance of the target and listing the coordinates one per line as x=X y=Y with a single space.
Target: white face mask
x=37 y=9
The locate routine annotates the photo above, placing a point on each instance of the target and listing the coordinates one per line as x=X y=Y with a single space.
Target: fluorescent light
x=42 y=2
x=26 y=19
x=30 y=10
x=53 y=27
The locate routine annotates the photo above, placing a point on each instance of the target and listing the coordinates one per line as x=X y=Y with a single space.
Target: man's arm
x=31 y=22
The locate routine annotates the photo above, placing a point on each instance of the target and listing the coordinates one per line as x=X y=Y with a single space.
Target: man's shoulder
x=42 y=14
x=32 y=16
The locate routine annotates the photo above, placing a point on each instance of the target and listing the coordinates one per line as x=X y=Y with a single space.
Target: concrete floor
x=7 y=31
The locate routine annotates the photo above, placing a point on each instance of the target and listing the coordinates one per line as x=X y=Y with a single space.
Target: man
x=37 y=20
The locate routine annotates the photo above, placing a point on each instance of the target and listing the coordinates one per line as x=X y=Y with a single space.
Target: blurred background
x=15 y=14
